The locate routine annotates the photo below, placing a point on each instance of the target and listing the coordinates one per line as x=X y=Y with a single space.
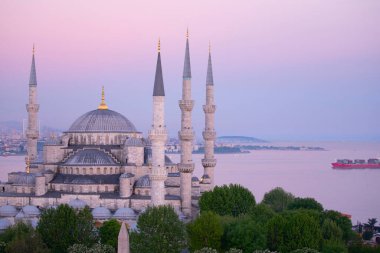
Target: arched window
x=98 y=170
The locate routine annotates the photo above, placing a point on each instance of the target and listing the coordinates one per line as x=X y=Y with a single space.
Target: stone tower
x=123 y=240
x=32 y=108
x=209 y=135
x=186 y=135
x=158 y=137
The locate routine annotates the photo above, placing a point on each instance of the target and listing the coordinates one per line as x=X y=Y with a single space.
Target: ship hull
x=355 y=166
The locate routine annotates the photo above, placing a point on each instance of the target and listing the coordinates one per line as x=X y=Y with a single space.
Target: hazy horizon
x=289 y=70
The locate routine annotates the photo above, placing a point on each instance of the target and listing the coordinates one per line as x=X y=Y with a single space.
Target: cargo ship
x=357 y=164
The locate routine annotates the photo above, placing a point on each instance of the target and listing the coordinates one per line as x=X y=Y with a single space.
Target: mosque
x=104 y=162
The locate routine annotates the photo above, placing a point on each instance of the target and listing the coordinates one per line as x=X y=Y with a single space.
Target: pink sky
x=291 y=69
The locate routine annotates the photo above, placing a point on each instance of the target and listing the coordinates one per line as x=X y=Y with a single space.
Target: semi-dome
x=4 y=223
x=143 y=182
x=23 y=178
x=125 y=213
x=31 y=211
x=8 y=211
x=101 y=213
x=77 y=203
x=90 y=157
x=102 y=120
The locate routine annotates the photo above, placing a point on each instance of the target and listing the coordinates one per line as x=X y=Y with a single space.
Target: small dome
x=20 y=215
x=4 y=223
x=77 y=203
x=90 y=157
x=125 y=213
x=8 y=211
x=103 y=121
x=127 y=175
x=31 y=211
x=101 y=213
x=194 y=179
x=143 y=182
x=134 y=142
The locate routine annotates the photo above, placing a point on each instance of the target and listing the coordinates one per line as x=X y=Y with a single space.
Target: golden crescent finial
x=103 y=105
x=187 y=33
x=159 y=45
x=209 y=47
x=33 y=49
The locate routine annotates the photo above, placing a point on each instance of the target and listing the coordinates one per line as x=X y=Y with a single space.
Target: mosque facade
x=104 y=162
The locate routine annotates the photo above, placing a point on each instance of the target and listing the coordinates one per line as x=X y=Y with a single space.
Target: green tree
x=159 y=231
x=278 y=199
x=21 y=237
x=205 y=231
x=64 y=226
x=333 y=246
x=233 y=250
x=275 y=233
x=231 y=200
x=264 y=251
x=262 y=213
x=371 y=223
x=293 y=231
x=206 y=250
x=305 y=250
x=245 y=234
x=331 y=231
x=305 y=203
x=96 y=248
x=343 y=222
x=109 y=232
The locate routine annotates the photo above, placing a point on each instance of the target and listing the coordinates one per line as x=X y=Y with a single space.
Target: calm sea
x=304 y=173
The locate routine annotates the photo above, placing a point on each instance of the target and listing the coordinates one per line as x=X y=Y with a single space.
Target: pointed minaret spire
x=33 y=76
x=186 y=66
x=159 y=89
x=32 y=108
x=158 y=137
x=209 y=78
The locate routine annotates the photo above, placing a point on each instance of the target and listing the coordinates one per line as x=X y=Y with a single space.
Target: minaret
x=209 y=134
x=158 y=137
x=32 y=108
x=186 y=135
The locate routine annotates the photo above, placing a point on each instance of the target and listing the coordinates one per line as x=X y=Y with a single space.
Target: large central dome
x=101 y=120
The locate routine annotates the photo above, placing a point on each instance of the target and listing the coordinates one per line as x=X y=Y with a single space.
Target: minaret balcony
x=157 y=177
x=209 y=135
x=185 y=167
x=32 y=107
x=186 y=135
x=158 y=134
x=209 y=108
x=206 y=162
x=33 y=134
x=186 y=105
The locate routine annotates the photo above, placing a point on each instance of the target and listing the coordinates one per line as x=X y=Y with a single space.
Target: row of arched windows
x=90 y=171
x=84 y=189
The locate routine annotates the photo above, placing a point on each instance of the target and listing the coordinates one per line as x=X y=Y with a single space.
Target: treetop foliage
x=305 y=203
x=159 y=228
x=278 y=199
x=230 y=199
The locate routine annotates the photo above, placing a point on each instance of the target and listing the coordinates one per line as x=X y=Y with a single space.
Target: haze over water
x=304 y=173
